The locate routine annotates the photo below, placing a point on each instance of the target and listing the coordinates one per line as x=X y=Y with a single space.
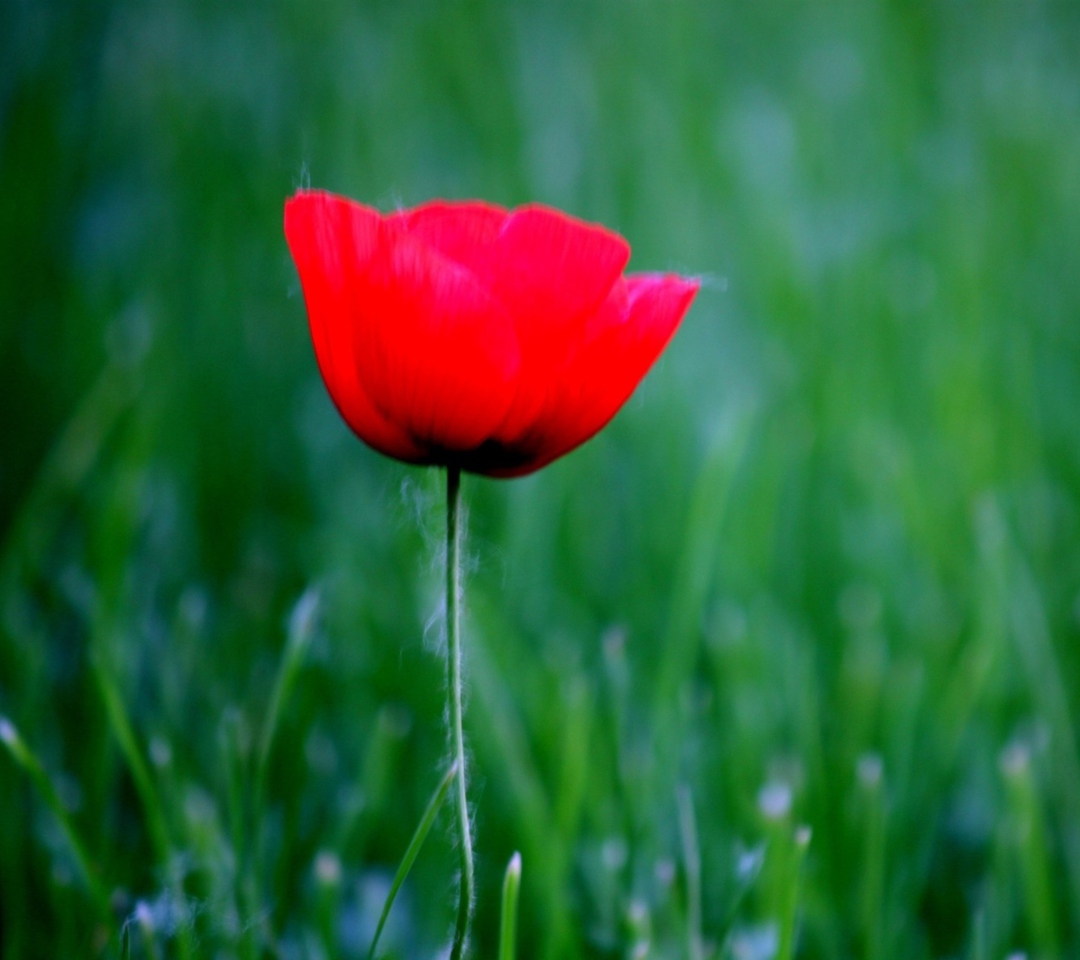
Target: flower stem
x=454 y=535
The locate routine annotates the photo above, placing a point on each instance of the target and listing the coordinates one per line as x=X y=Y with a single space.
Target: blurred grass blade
x=121 y=728
x=501 y=734
x=747 y=874
x=145 y=919
x=1046 y=673
x=978 y=937
x=697 y=560
x=574 y=756
x=422 y=830
x=870 y=773
x=789 y=913
x=365 y=799
x=302 y=623
x=65 y=469
x=301 y=629
x=25 y=758
x=508 y=922
x=1032 y=849
x=691 y=851
x=232 y=738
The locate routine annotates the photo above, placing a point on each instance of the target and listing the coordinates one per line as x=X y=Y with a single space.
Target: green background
x=823 y=569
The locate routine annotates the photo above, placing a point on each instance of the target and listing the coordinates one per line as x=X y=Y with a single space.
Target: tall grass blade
x=978 y=938
x=302 y=623
x=29 y=763
x=124 y=733
x=422 y=830
x=145 y=919
x=122 y=730
x=870 y=774
x=789 y=913
x=708 y=506
x=501 y=733
x=1032 y=849
x=692 y=864
x=508 y=923
x=65 y=469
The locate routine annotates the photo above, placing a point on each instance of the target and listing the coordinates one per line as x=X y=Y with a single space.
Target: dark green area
x=823 y=570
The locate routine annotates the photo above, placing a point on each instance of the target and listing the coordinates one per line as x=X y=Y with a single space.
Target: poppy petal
x=434 y=349
x=551 y=270
x=622 y=343
x=462 y=232
x=553 y=273
x=332 y=241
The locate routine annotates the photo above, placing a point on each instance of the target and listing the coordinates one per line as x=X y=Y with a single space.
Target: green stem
x=453 y=677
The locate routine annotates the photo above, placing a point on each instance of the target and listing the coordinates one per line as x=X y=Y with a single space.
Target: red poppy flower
x=465 y=334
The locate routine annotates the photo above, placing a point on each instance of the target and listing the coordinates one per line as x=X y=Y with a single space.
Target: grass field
x=784 y=663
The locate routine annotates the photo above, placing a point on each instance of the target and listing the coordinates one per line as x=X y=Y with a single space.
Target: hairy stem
x=453 y=693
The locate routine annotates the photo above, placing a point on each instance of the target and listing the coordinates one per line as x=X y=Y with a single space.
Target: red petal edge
x=630 y=332
x=462 y=231
x=332 y=241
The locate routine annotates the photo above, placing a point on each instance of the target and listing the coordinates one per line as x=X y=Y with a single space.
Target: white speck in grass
x=303 y=618
x=637 y=922
x=614 y=854
x=990 y=530
x=160 y=752
x=869 y=769
x=614 y=644
x=1015 y=759
x=199 y=808
x=328 y=868
x=664 y=871
x=8 y=733
x=1039 y=738
x=513 y=868
x=803 y=836
x=144 y=916
x=756 y=943
x=194 y=607
x=748 y=863
x=1018 y=955
x=774 y=800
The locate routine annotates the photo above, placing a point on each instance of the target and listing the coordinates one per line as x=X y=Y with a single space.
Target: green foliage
x=821 y=573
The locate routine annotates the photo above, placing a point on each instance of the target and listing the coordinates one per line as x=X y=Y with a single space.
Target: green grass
x=822 y=572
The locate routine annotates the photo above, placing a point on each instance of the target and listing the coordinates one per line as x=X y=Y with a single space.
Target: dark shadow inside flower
x=492 y=457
